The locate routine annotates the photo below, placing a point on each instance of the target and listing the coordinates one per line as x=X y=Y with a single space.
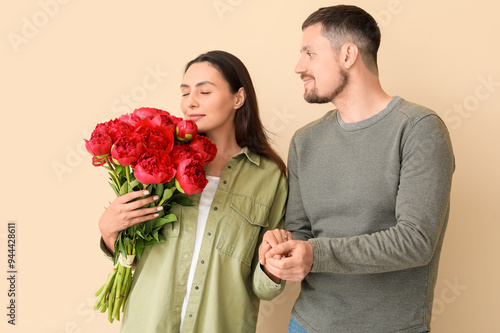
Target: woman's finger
x=144 y=211
x=142 y=202
x=131 y=196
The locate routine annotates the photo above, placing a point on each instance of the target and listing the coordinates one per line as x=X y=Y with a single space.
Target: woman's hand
x=123 y=213
x=271 y=239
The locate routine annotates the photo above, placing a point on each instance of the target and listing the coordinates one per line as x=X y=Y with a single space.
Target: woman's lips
x=195 y=117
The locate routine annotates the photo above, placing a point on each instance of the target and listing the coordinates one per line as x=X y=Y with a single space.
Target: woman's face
x=207 y=99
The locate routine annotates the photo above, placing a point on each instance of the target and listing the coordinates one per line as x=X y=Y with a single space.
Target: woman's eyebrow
x=183 y=85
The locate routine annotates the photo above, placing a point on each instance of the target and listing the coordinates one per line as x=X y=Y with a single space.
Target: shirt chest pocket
x=240 y=229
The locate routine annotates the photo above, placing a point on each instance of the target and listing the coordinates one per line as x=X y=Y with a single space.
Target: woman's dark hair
x=249 y=130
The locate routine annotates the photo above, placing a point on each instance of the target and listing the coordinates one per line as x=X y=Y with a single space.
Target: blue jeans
x=294 y=327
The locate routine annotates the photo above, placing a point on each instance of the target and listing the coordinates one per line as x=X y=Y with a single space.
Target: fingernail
x=145 y=192
x=156 y=197
x=156 y=215
x=159 y=208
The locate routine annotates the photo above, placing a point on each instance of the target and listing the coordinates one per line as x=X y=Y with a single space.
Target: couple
x=365 y=216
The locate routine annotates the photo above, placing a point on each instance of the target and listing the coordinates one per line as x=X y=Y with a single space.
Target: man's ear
x=349 y=53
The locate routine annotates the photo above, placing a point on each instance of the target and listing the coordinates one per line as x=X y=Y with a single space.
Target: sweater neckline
x=370 y=121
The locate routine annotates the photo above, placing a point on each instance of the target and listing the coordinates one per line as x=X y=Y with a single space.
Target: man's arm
x=421 y=211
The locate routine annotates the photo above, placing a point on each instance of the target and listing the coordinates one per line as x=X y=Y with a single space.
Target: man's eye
x=185 y=94
x=309 y=55
x=205 y=92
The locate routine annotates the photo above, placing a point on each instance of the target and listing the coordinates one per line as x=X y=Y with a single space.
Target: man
x=369 y=191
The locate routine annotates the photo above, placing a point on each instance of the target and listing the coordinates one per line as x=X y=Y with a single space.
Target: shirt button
x=190 y=315
x=215 y=208
x=209 y=234
x=225 y=182
x=203 y=261
x=196 y=288
x=229 y=167
x=186 y=255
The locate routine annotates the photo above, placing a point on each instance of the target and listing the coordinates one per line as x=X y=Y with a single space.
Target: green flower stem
x=127 y=172
x=116 y=178
x=115 y=309
x=128 y=274
x=111 y=298
x=103 y=291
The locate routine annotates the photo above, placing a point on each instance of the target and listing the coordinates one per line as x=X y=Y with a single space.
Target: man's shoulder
x=413 y=112
x=315 y=125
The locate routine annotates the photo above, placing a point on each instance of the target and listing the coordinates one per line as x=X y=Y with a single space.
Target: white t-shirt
x=206 y=199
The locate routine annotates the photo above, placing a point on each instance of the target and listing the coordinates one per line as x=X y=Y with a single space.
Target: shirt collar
x=251 y=156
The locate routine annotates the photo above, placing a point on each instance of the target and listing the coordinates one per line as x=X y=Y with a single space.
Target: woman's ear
x=240 y=98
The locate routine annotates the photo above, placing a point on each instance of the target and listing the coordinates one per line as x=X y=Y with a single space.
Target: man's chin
x=315 y=99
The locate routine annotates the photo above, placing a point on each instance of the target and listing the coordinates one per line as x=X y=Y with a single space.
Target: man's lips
x=306 y=80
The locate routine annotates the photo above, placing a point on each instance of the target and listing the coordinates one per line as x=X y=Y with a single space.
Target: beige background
x=67 y=65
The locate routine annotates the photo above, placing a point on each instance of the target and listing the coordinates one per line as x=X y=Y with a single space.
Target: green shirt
x=228 y=280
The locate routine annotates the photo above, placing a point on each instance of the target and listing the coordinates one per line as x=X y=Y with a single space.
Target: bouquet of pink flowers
x=154 y=150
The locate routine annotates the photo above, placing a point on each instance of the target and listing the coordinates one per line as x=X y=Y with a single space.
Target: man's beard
x=314 y=97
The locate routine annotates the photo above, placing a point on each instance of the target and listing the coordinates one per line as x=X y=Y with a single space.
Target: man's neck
x=361 y=101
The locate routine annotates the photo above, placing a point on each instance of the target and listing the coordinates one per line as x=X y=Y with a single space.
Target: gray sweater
x=373 y=199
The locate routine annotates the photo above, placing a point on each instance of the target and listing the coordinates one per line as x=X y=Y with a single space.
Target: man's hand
x=291 y=260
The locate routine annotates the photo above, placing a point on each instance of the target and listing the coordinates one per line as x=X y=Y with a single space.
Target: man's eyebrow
x=202 y=83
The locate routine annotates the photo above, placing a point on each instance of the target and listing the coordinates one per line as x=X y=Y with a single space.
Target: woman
x=206 y=277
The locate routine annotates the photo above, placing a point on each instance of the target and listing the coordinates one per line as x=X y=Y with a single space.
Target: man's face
x=319 y=67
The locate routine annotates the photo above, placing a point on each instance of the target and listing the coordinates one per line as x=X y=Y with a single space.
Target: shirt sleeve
x=262 y=286
x=422 y=208
x=296 y=221
x=105 y=250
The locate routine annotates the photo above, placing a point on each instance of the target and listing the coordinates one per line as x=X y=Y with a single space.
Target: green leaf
x=182 y=200
x=140 y=234
x=155 y=236
x=139 y=248
x=159 y=190
x=159 y=221
x=114 y=178
x=121 y=247
x=134 y=183
x=119 y=169
x=154 y=241
x=167 y=194
x=113 y=186
x=124 y=189
x=148 y=226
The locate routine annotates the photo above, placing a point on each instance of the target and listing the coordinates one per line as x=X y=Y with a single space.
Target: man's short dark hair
x=345 y=23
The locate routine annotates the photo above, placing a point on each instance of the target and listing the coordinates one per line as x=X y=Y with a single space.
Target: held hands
x=123 y=213
x=285 y=258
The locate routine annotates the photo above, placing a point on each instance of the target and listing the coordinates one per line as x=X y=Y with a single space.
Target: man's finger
x=280 y=249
